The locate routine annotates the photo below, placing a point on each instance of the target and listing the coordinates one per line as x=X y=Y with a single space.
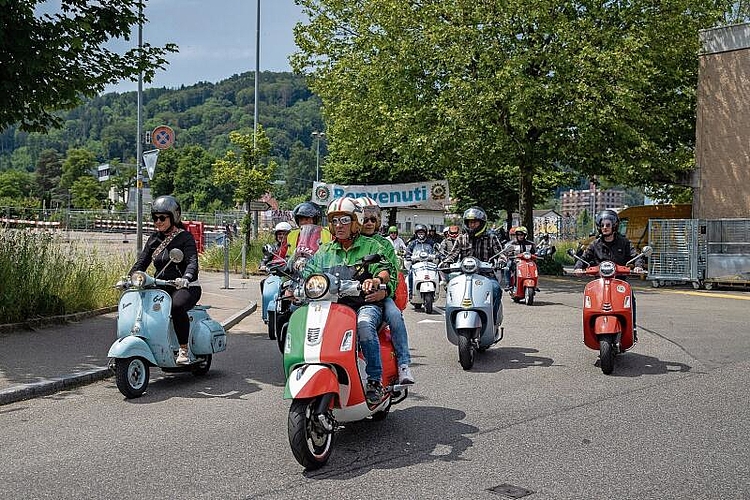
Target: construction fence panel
x=679 y=251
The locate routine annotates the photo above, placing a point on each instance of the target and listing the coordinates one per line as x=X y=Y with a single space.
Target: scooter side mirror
x=571 y=252
x=267 y=249
x=176 y=255
x=647 y=251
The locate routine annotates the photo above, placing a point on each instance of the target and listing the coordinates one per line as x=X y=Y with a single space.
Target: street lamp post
x=318 y=136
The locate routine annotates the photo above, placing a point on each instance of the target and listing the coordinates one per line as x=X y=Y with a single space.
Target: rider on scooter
x=420 y=243
x=348 y=247
x=304 y=213
x=610 y=245
x=476 y=242
x=280 y=233
x=393 y=316
x=519 y=244
x=170 y=233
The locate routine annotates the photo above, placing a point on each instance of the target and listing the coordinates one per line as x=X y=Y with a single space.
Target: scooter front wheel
x=131 y=375
x=311 y=443
x=429 y=298
x=465 y=349
x=606 y=356
x=529 y=296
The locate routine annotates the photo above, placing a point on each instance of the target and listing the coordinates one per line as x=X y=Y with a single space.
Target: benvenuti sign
x=429 y=195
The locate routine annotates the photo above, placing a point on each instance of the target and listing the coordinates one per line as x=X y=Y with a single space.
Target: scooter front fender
x=607 y=325
x=468 y=319
x=426 y=286
x=309 y=381
x=130 y=347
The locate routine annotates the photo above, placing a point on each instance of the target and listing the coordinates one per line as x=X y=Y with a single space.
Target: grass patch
x=42 y=275
x=212 y=259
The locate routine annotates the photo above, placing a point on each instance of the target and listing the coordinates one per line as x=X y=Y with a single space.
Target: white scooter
x=146 y=336
x=425 y=280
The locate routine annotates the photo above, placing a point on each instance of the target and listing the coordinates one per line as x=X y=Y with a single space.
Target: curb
x=54 y=320
x=46 y=387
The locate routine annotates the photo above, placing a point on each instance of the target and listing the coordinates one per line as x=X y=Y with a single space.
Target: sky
x=216 y=39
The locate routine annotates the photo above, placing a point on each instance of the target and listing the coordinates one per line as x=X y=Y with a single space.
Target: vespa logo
x=125 y=306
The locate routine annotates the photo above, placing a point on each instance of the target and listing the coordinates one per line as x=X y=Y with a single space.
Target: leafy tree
x=243 y=172
x=78 y=163
x=48 y=171
x=16 y=185
x=121 y=180
x=193 y=183
x=87 y=192
x=526 y=89
x=49 y=62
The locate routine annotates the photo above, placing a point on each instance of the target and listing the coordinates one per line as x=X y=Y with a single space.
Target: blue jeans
x=395 y=320
x=369 y=318
x=496 y=293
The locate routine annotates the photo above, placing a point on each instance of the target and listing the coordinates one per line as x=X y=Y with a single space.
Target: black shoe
x=374 y=392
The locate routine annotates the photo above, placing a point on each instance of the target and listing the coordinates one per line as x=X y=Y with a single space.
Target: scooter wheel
x=272 y=325
x=311 y=443
x=429 y=298
x=132 y=376
x=529 y=296
x=465 y=350
x=202 y=368
x=606 y=356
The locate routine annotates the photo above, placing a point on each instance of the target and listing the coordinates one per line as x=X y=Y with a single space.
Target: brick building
x=594 y=200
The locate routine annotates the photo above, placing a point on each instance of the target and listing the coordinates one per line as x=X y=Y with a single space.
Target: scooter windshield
x=422 y=247
x=307 y=244
x=333 y=263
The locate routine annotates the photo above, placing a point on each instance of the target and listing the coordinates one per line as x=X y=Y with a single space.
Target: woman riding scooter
x=170 y=233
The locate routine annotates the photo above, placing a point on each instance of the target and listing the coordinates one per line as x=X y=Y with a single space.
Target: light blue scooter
x=469 y=320
x=146 y=336
x=270 y=291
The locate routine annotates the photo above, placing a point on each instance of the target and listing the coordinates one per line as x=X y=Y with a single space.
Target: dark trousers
x=183 y=300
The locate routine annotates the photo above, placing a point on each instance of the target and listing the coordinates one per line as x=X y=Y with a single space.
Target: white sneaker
x=182 y=357
x=404 y=375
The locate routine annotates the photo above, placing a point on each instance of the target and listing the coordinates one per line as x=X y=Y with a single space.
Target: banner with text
x=432 y=195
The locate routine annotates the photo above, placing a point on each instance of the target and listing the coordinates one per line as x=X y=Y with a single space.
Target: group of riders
x=353 y=232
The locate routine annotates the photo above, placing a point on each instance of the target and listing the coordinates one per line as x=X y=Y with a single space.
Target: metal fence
x=728 y=252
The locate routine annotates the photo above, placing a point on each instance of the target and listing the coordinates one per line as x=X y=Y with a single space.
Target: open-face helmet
x=306 y=209
x=345 y=206
x=167 y=205
x=420 y=232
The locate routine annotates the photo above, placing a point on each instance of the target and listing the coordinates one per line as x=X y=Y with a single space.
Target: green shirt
x=332 y=254
x=389 y=253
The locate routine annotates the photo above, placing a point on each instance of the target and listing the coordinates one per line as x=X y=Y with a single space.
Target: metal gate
x=728 y=253
x=679 y=251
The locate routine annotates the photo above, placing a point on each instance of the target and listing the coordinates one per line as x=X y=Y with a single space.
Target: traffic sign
x=162 y=137
x=258 y=206
x=149 y=159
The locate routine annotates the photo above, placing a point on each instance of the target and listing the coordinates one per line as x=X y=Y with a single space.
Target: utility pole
x=139 y=142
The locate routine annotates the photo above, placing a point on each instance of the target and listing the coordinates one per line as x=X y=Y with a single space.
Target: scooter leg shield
x=131 y=346
x=309 y=381
x=426 y=286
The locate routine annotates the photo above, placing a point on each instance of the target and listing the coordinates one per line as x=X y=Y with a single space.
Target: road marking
x=430 y=321
x=707 y=294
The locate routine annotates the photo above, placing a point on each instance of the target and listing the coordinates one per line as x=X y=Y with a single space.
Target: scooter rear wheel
x=132 y=376
x=202 y=368
x=311 y=443
x=272 y=325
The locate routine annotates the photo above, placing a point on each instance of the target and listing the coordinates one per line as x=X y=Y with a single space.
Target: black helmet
x=475 y=213
x=609 y=215
x=306 y=209
x=420 y=228
x=167 y=205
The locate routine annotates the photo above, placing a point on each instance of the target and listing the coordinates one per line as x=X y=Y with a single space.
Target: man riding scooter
x=518 y=245
x=611 y=245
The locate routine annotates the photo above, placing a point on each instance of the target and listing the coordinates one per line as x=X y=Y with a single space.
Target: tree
x=242 y=171
x=49 y=62
x=534 y=90
x=121 y=180
x=87 y=192
x=16 y=184
x=78 y=163
x=48 y=171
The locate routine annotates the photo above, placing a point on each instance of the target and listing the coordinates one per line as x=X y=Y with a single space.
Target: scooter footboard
x=309 y=381
x=131 y=347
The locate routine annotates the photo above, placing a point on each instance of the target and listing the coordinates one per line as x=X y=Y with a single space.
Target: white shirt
x=398 y=244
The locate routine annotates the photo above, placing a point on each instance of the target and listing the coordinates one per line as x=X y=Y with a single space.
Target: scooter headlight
x=527 y=255
x=607 y=268
x=316 y=286
x=469 y=265
x=138 y=279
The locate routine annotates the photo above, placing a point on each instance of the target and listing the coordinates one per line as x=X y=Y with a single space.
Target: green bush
x=212 y=259
x=42 y=275
x=554 y=266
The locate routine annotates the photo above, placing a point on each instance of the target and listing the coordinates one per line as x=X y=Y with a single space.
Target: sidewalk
x=46 y=360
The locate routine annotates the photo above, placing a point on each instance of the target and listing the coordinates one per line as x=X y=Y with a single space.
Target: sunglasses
x=160 y=218
x=606 y=225
x=343 y=220
x=370 y=219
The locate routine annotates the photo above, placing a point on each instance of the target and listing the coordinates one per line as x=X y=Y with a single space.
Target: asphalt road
x=535 y=414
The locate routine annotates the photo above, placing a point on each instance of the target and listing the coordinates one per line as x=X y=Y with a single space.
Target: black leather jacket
x=618 y=251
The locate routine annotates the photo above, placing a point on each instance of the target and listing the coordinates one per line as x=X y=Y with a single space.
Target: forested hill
x=201 y=114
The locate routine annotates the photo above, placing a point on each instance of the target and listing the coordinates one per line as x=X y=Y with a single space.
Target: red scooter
x=326 y=371
x=525 y=278
x=607 y=310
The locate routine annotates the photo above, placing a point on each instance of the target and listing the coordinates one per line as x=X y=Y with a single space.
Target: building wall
x=722 y=144
x=576 y=201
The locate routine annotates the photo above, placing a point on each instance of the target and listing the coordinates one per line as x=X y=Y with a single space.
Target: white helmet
x=282 y=226
x=346 y=206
